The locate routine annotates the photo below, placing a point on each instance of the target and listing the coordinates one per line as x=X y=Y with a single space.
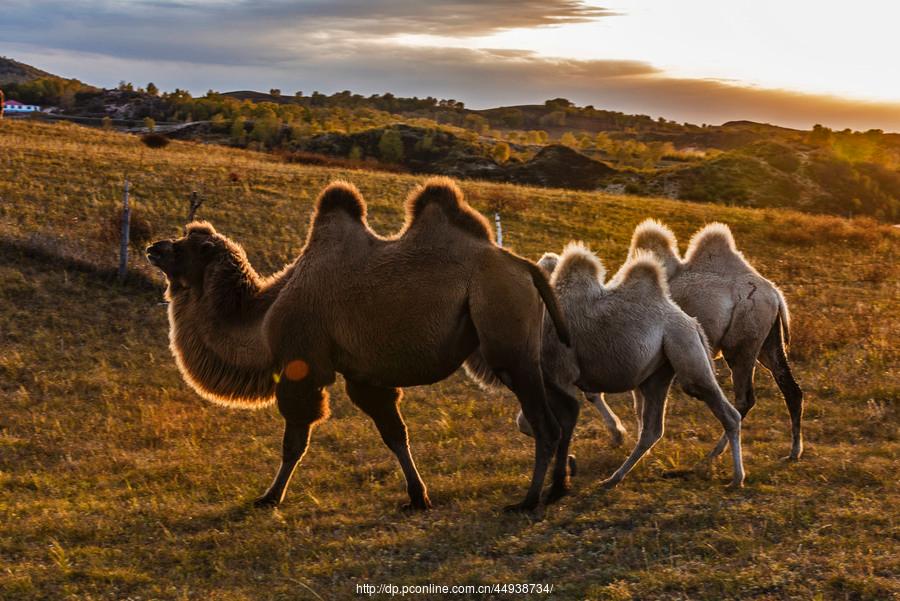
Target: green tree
x=476 y=123
x=238 y=130
x=152 y=89
x=275 y=92
x=500 y=152
x=820 y=135
x=554 y=119
x=558 y=104
x=265 y=131
x=356 y=153
x=568 y=139
x=106 y=123
x=149 y=123
x=390 y=146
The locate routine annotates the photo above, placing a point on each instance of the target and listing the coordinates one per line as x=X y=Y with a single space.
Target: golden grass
x=117 y=482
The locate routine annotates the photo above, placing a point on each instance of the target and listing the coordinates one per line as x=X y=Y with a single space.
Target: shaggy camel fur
x=548 y=263
x=384 y=312
x=744 y=315
x=627 y=335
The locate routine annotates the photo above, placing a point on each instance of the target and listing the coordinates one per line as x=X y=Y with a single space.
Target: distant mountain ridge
x=12 y=71
x=554 y=144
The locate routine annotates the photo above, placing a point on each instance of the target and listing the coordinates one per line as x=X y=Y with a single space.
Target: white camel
x=614 y=426
x=628 y=335
x=744 y=315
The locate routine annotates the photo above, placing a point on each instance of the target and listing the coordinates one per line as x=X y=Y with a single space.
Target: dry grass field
x=117 y=482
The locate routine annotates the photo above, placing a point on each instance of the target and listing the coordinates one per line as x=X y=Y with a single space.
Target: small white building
x=12 y=107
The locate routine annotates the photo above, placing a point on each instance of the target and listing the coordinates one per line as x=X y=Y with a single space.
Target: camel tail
x=539 y=277
x=784 y=319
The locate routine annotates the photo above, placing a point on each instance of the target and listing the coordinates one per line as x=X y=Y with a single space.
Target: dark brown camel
x=386 y=313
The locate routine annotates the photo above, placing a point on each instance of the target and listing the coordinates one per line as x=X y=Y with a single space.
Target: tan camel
x=385 y=312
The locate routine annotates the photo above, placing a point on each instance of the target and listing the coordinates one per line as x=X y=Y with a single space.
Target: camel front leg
x=302 y=405
x=610 y=419
x=653 y=394
x=383 y=406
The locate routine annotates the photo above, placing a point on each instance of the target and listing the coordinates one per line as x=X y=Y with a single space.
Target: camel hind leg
x=565 y=407
x=685 y=348
x=654 y=391
x=383 y=406
x=743 y=366
x=775 y=360
x=507 y=313
x=610 y=419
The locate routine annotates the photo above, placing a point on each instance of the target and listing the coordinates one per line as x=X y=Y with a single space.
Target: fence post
x=499 y=229
x=126 y=226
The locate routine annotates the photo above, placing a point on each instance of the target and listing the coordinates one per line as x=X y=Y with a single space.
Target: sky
x=788 y=62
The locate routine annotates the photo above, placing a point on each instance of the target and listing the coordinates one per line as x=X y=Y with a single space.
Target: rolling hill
x=117 y=482
x=12 y=71
x=739 y=162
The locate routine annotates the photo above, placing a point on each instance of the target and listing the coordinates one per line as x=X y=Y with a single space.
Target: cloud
x=264 y=31
x=332 y=46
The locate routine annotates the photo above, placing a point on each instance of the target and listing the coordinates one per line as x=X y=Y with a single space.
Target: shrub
x=390 y=146
x=140 y=228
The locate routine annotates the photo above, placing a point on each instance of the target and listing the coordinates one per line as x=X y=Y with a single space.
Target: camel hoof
x=523 y=507
x=573 y=465
x=677 y=473
x=416 y=506
x=792 y=458
x=556 y=493
x=608 y=484
x=735 y=485
x=703 y=468
x=266 y=500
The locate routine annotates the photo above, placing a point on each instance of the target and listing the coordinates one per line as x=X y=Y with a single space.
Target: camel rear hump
x=644 y=272
x=445 y=194
x=712 y=241
x=654 y=236
x=548 y=263
x=578 y=266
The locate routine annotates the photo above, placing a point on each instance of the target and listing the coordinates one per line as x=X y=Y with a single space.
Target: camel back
x=444 y=193
x=713 y=240
x=340 y=196
x=578 y=266
x=642 y=271
x=652 y=235
x=548 y=262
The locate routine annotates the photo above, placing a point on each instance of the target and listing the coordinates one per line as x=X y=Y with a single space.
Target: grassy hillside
x=15 y=72
x=117 y=482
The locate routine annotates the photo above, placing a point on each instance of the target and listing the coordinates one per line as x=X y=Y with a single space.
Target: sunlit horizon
x=703 y=61
x=806 y=47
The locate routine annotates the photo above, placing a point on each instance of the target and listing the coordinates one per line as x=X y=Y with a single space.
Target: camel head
x=186 y=260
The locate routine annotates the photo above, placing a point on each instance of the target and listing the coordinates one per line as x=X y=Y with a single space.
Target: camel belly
x=411 y=355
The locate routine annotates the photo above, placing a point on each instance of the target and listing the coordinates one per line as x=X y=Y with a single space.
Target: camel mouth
x=155 y=257
x=158 y=254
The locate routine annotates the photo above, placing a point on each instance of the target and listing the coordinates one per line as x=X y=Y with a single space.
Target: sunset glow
x=815 y=47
